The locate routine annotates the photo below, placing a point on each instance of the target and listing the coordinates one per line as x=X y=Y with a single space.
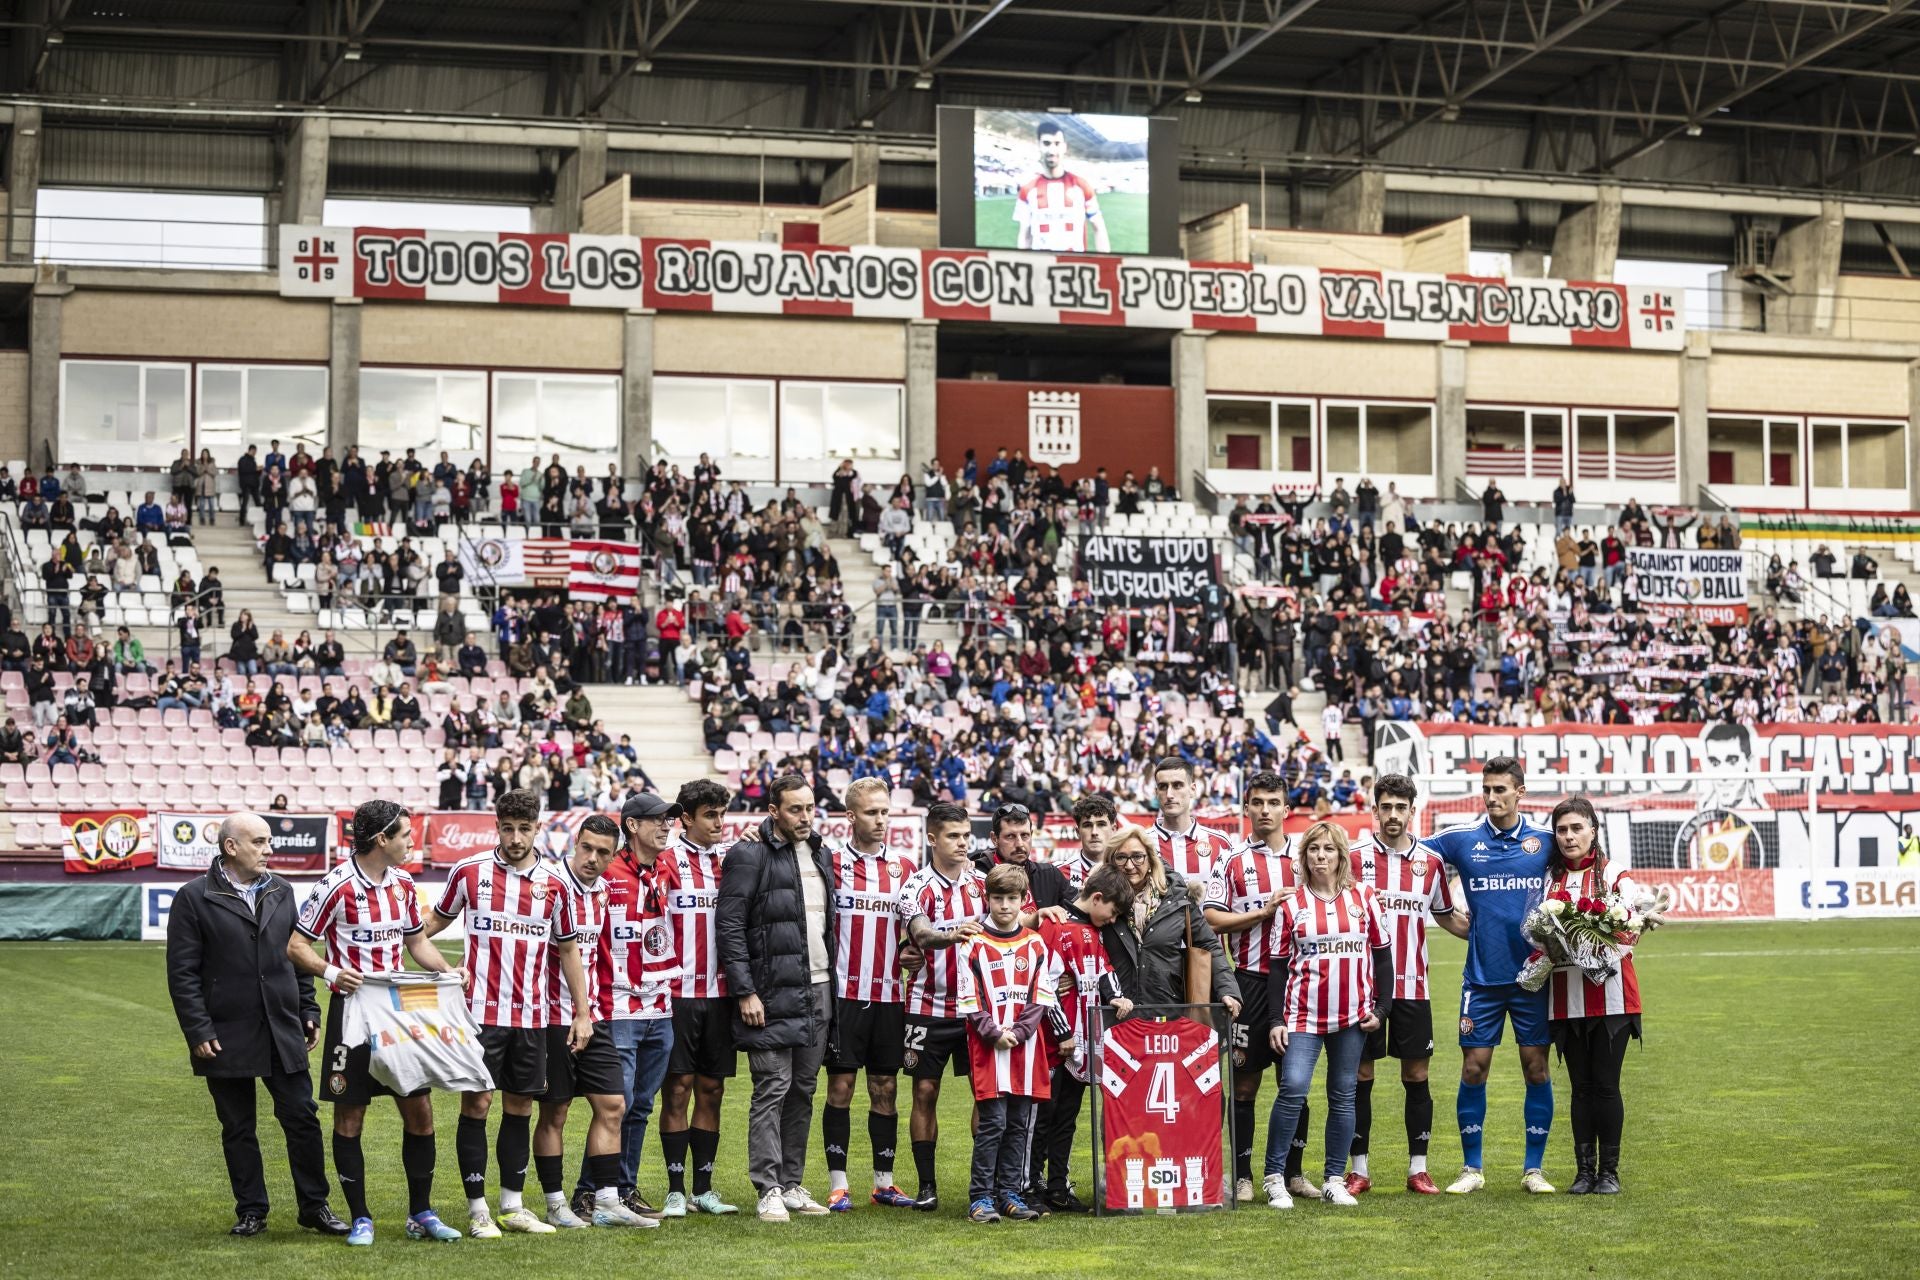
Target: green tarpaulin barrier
x=67 y=912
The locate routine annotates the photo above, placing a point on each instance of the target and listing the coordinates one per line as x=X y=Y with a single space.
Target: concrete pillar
x=23 y=182
x=1806 y=258
x=1450 y=420
x=1691 y=444
x=861 y=169
x=583 y=171
x=1189 y=409
x=43 y=370
x=1358 y=202
x=1528 y=264
x=343 y=376
x=923 y=396
x=1587 y=241
x=303 y=187
x=636 y=394
x=1913 y=435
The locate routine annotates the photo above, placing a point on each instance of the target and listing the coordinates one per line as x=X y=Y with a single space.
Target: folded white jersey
x=418 y=1032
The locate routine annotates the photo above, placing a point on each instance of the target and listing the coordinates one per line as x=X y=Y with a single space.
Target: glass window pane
x=463 y=415
x=803 y=425
x=1643 y=446
x=222 y=413
x=1876 y=455
x=1549 y=449
x=1240 y=434
x=689 y=415
x=163 y=428
x=1400 y=439
x=288 y=405
x=1592 y=450
x=863 y=421
x=1293 y=427
x=516 y=418
x=1828 y=467
x=580 y=420
x=1343 y=438
x=750 y=423
x=399 y=410
x=100 y=411
x=1736 y=452
x=1783 y=454
x=1496 y=442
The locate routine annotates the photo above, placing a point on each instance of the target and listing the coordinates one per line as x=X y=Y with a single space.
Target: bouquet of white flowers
x=1586 y=932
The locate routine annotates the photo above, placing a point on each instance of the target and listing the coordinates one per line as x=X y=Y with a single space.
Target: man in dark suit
x=247 y=1015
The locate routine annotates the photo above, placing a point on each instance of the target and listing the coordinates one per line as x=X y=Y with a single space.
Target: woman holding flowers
x=1590 y=1021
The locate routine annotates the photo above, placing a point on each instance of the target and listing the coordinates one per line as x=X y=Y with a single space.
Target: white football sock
x=1416 y=1164
x=478 y=1208
x=1360 y=1165
x=836 y=1179
x=606 y=1197
x=556 y=1199
x=882 y=1179
x=510 y=1200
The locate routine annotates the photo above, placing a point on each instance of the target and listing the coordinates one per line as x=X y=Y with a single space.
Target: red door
x=1302 y=453
x=1780 y=469
x=1719 y=466
x=1243 y=453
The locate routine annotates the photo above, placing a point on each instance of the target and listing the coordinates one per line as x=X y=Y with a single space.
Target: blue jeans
x=1296 y=1073
x=886 y=621
x=644 y=1046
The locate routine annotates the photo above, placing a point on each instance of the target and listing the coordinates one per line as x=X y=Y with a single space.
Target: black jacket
x=1046 y=884
x=1153 y=970
x=761 y=923
x=231 y=981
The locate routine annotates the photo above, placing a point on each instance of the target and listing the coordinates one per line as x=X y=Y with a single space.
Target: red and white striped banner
x=1001 y=286
x=604 y=571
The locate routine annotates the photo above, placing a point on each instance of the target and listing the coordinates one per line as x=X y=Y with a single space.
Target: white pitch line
x=1641 y=955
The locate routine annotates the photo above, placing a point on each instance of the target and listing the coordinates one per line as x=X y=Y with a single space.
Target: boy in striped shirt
x=1008 y=981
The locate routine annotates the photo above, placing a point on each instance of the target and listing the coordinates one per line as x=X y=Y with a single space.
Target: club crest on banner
x=1053 y=427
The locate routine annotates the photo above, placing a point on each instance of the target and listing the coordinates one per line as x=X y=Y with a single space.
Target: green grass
x=1770 y=1131
x=1125 y=212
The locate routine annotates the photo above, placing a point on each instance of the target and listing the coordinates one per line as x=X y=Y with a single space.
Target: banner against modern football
x=97 y=840
x=1709 y=586
x=995 y=286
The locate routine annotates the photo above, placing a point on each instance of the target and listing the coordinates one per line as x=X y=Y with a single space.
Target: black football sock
x=1419 y=1117
x=673 y=1147
x=513 y=1146
x=1362 y=1115
x=350 y=1167
x=417 y=1157
x=553 y=1174
x=883 y=1132
x=604 y=1170
x=1297 y=1149
x=923 y=1164
x=1243 y=1139
x=836 y=1126
x=705 y=1145
x=470 y=1147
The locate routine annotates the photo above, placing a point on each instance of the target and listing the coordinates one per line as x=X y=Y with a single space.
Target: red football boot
x=1422 y=1184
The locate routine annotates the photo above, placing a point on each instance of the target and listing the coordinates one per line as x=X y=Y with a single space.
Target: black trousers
x=234 y=1102
x=1053 y=1132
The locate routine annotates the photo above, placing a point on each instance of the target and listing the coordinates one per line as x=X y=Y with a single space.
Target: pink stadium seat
x=126 y=716
x=360 y=739
x=150 y=718
x=12 y=773
x=223 y=775
x=234 y=737
x=18 y=795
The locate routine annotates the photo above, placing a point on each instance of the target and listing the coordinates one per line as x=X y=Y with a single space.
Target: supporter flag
x=494 y=562
x=106 y=840
x=373 y=529
x=604 y=571
x=548 y=561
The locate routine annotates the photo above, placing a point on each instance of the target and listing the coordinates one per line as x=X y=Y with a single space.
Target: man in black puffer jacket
x=776 y=935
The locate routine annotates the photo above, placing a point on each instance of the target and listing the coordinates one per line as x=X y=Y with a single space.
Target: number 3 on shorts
x=339 y=1058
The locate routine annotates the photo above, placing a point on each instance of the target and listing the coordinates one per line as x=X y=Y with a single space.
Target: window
x=239 y=405
x=570 y=418
x=423 y=409
x=1240 y=434
x=122 y=412
x=428 y=215
x=823 y=422
x=775 y=430
x=150 y=229
x=1378 y=439
x=1876 y=455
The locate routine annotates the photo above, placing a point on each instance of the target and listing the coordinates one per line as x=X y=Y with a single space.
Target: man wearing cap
x=248 y=1015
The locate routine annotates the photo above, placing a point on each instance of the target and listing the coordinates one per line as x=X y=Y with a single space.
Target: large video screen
x=1058 y=183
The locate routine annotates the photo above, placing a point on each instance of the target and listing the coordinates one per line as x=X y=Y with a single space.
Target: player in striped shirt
x=703 y=1057
x=869 y=1015
x=1411 y=882
x=1330 y=967
x=366 y=911
x=1185 y=845
x=1591 y=1022
x=1245 y=890
x=1057 y=210
x=1097 y=821
x=594 y=1072
x=514 y=912
x=940 y=906
x=1009 y=988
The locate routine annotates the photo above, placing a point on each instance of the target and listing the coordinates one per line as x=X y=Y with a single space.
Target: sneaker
x=1066 y=1202
x=638 y=1203
x=1243 y=1190
x=1535 y=1183
x=1421 y=1183
x=522 y=1220
x=840 y=1200
x=1469 y=1181
x=709 y=1201
x=480 y=1226
x=563 y=1217
x=772 y=1207
x=928 y=1200
x=618 y=1215
x=1276 y=1188
x=582 y=1203
x=893 y=1198
x=1015 y=1209
x=676 y=1205
x=982 y=1211
x=800 y=1200
x=1300 y=1189
x=427 y=1226
x=362 y=1232
x=1358 y=1184
x=1335 y=1192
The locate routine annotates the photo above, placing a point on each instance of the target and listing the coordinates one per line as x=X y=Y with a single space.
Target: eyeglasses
x=1119 y=858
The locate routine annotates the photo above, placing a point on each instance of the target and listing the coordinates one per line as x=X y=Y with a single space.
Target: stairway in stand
x=666 y=731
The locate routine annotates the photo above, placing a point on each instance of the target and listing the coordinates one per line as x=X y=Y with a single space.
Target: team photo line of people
x=645 y=964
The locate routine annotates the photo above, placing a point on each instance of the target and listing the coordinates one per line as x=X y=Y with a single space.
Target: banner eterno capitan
x=1003 y=286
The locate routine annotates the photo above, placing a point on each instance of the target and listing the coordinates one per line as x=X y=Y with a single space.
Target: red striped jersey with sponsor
x=1242 y=882
x=689 y=879
x=866 y=890
x=641 y=962
x=1077 y=949
x=1569 y=994
x=1005 y=976
x=511 y=917
x=1328 y=945
x=1193 y=852
x=365 y=923
x=589 y=905
x=935 y=991
x=1056 y=211
x=1409 y=884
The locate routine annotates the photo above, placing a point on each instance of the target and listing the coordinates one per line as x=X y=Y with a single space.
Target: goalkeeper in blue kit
x=1502 y=865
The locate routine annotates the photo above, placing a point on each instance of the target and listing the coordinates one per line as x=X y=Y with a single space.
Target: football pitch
x=1770 y=1131
x=1125 y=212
